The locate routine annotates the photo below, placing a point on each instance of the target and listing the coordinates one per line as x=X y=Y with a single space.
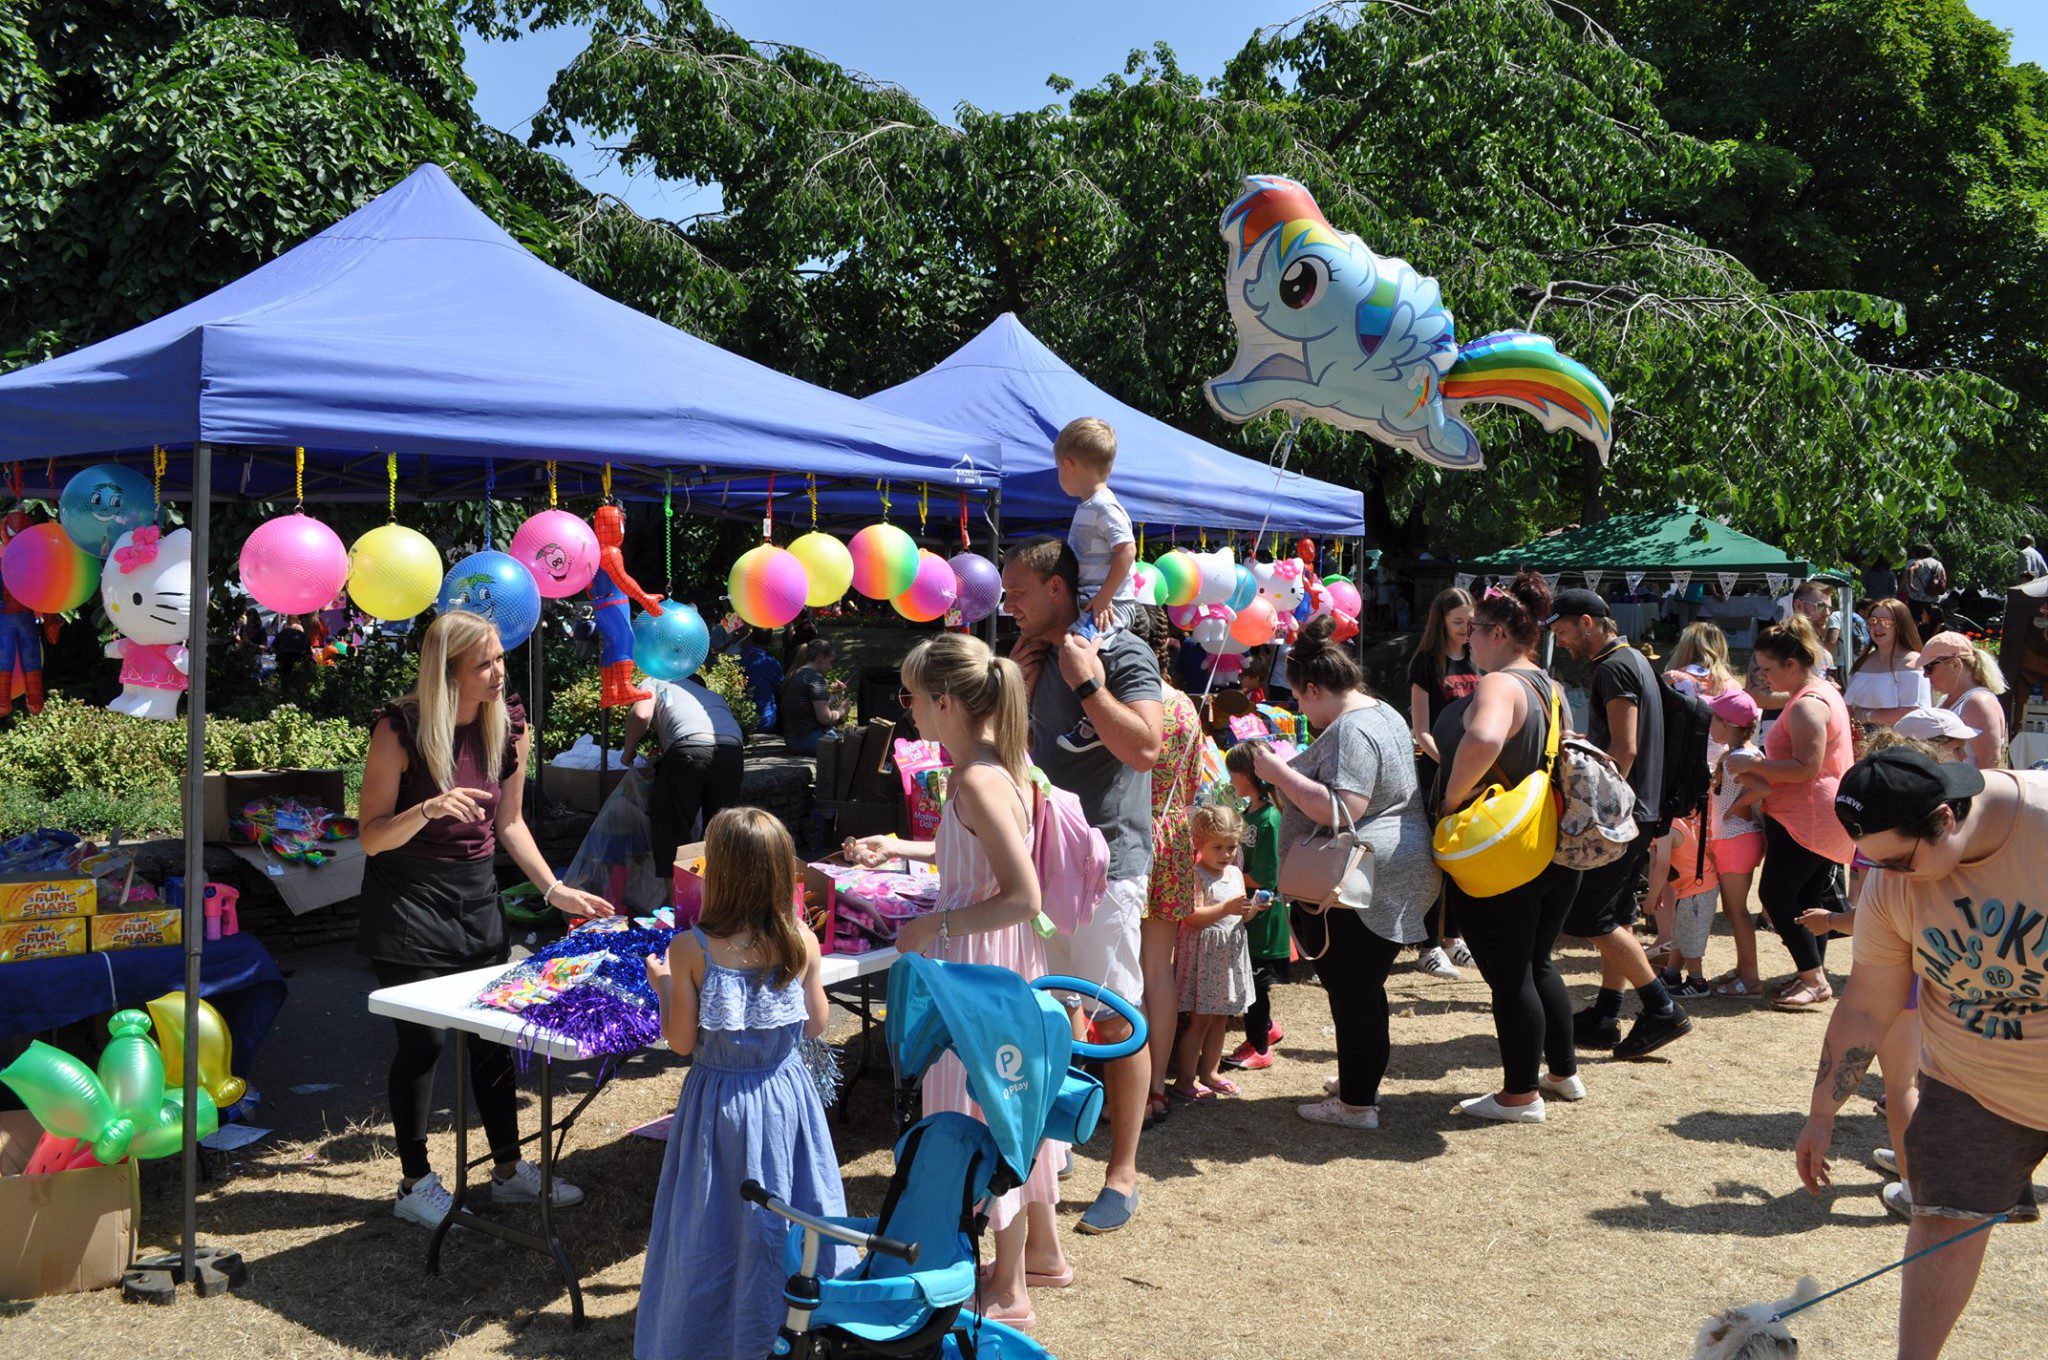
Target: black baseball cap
x=1898 y=786
x=1569 y=604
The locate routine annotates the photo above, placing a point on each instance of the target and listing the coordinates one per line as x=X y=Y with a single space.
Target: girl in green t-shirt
x=1266 y=933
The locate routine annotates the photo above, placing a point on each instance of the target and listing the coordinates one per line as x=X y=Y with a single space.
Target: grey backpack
x=1596 y=817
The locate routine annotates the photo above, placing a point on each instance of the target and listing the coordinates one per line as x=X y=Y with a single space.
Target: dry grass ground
x=1610 y=1232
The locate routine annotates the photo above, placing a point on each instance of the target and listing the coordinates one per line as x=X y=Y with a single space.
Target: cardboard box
x=63 y=1233
x=22 y=941
x=875 y=779
x=224 y=795
x=136 y=929
x=37 y=897
x=862 y=819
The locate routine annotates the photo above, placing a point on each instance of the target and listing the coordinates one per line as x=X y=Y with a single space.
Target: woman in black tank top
x=1500 y=735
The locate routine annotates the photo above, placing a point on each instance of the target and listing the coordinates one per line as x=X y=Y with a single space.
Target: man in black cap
x=1958 y=897
x=1626 y=720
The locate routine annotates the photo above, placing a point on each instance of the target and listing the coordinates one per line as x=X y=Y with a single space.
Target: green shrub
x=728 y=680
x=573 y=708
x=91 y=812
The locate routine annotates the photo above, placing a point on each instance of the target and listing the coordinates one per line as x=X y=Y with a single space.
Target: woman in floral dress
x=1176 y=780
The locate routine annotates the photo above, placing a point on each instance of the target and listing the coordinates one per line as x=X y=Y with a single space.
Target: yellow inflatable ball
x=829 y=565
x=394 y=572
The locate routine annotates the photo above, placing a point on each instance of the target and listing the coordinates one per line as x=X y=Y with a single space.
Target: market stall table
x=236 y=974
x=446 y=1003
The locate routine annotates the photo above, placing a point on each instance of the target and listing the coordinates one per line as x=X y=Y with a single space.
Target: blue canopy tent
x=1005 y=385
x=416 y=326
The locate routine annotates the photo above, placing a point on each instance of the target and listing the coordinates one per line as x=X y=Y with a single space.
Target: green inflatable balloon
x=167 y=1134
x=131 y=1069
x=63 y=1094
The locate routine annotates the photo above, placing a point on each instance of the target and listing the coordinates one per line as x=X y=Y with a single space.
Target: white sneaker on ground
x=1335 y=1111
x=427 y=1203
x=1885 y=1160
x=1461 y=954
x=1486 y=1107
x=1897 y=1199
x=1563 y=1088
x=523 y=1187
x=1436 y=963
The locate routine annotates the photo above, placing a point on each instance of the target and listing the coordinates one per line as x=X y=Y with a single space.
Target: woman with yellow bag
x=1496 y=839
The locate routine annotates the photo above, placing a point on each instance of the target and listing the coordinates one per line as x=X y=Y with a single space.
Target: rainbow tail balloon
x=1525 y=371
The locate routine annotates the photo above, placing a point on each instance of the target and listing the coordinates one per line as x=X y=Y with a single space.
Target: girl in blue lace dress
x=737 y=993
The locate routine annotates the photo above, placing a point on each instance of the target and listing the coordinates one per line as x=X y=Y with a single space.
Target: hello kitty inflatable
x=146 y=587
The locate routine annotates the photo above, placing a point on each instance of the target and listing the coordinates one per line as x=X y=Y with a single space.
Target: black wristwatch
x=1086 y=690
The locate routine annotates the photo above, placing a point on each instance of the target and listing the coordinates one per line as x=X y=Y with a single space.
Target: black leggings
x=1353 y=971
x=1793 y=879
x=1258 y=1017
x=1511 y=937
x=492 y=1079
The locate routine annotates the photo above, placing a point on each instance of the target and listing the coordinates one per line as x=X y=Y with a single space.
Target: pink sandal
x=1199 y=1096
x=1222 y=1086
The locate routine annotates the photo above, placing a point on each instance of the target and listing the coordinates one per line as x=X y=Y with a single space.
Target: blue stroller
x=910 y=1295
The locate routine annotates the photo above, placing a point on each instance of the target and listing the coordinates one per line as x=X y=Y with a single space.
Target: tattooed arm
x=1865 y=1011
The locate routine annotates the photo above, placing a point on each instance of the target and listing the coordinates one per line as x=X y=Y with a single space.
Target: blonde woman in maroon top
x=441 y=792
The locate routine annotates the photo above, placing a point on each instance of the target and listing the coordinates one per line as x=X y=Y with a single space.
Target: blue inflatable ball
x=102 y=503
x=672 y=646
x=1246 y=591
x=499 y=587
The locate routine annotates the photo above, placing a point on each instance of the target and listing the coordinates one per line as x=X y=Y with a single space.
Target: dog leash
x=1884 y=1270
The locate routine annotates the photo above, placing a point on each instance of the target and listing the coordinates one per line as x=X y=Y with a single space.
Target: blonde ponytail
x=989 y=687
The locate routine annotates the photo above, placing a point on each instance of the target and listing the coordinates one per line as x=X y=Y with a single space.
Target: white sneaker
x=1885 y=1160
x=1436 y=963
x=1897 y=1199
x=1461 y=954
x=523 y=1187
x=1563 y=1088
x=1335 y=1111
x=1486 y=1107
x=427 y=1203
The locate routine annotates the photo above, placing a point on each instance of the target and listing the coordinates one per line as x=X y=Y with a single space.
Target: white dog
x=1753 y=1332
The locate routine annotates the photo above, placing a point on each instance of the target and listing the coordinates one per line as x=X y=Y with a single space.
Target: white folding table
x=445 y=1003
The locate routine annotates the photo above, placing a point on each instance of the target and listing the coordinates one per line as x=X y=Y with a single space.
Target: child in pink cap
x=1735 y=841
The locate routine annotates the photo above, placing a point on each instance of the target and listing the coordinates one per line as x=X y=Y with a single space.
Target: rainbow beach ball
x=1180 y=576
x=932 y=591
x=884 y=561
x=829 y=565
x=768 y=586
x=394 y=572
x=48 y=572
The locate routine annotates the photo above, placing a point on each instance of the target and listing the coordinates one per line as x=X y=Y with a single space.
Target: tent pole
x=536 y=712
x=194 y=924
x=995 y=551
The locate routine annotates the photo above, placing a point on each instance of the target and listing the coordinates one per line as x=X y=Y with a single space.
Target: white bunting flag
x=1681 y=579
x=1727 y=580
x=1593 y=579
x=1634 y=579
x=1464 y=580
x=1551 y=578
x=1775 y=581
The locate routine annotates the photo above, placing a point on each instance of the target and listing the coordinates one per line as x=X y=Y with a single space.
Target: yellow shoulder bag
x=1505 y=837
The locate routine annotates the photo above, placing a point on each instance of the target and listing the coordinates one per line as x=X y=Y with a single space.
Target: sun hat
x=1944 y=645
x=1935 y=724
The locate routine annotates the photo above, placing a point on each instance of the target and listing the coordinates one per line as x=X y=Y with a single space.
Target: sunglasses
x=904 y=698
x=1928 y=669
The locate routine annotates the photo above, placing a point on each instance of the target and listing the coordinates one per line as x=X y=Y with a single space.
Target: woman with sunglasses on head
x=1805 y=755
x=1888 y=683
x=1500 y=734
x=1967 y=683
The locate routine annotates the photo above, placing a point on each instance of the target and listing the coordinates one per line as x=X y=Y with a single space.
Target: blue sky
x=949 y=52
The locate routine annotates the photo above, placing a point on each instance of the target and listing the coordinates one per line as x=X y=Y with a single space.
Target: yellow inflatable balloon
x=394 y=572
x=830 y=566
x=216 y=1048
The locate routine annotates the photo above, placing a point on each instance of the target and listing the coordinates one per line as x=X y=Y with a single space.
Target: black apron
x=432 y=913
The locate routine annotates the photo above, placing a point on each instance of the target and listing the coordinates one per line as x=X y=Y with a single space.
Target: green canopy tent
x=1669 y=547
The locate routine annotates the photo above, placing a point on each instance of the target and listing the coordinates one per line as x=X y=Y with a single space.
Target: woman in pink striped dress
x=972 y=703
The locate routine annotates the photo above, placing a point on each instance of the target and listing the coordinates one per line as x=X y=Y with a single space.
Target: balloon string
x=157 y=461
x=391 y=475
x=1283 y=449
x=811 y=478
x=490 y=511
x=552 y=502
x=668 y=532
x=965 y=542
x=607 y=481
x=882 y=485
x=924 y=497
x=50 y=476
x=298 y=475
x=768 y=513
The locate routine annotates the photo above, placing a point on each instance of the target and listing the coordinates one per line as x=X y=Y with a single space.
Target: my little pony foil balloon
x=1328 y=329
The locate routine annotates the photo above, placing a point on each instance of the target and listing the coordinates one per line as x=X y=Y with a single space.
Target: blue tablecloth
x=237 y=975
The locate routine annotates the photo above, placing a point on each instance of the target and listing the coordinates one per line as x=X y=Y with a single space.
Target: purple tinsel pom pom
x=599 y=1018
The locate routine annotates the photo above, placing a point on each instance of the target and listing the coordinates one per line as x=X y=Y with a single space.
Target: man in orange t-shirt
x=1959 y=854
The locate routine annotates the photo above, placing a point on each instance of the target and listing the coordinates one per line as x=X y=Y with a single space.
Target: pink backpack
x=1070 y=855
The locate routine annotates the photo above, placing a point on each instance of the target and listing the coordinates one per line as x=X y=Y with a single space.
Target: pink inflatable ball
x=768 y=586
x=1184 y=616
x=981 y=586
x=1344 y=597
x=560 y=549
x=932 y=591
x=1255 y=624
x=294 y=564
